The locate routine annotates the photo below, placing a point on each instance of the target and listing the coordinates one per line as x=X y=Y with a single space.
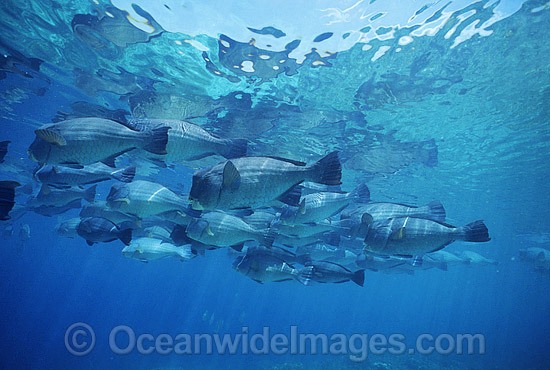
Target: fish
x=320 y=251
x=261 y=219
x=96 y=230
x=448 y=258
x=473 y=258
x=281 y=253
x=88 y=140
x=313 y=228
x=99 y=208
x=264 y=268
x=7 y=198
x=383 y=210
x=3 y=149
x=319 y=206
x=330 y=272
x=82 y=175
x=155 y=232
x=410 y=236
x=379 y=263
x=330 y=238
x=149 y=249
x=50 y=211
x=539 y=256
x=364 y=214
x=143 y=198
x=222 y=229
x=53 y=197
x=252 y=182
x=68 y=227
x=188 y=141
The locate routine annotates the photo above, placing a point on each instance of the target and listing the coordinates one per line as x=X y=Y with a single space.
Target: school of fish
x=281 y=219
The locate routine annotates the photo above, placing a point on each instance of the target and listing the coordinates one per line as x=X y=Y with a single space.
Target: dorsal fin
x=50 y=136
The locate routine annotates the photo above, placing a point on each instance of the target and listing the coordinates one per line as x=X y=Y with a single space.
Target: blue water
x=466 y=122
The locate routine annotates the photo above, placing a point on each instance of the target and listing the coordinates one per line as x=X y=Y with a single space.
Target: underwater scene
x=275 y=185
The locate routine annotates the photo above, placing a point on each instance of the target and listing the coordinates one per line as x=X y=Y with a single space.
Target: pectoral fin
x=399 y=234
x=231 y=176
x=302 y=207
x=50 y=137
x=125 y=200
x=208 y=231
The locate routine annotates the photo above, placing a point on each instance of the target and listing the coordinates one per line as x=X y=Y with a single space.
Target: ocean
x=422 y=100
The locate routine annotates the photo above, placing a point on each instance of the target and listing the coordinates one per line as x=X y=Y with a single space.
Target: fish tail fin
x=125 y=236
x=305 y=275
x=156 y=140
x=7 y=197
x=358 y=277
x=234 y=148
x=89 y=194
x=327 y=170
x=268 y=237
x=435 y=210
x=125 y=174
x=361 y=194
x=475 y=232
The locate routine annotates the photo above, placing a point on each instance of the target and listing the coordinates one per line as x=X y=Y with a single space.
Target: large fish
x=310 y=229
x=96 y=230
x=476 y=259
x=50 y=211
x=144 y=198
x=539 y=256
x=319 y=206
x=222 y=229
x=50 y=196
x=89 y=140
x=82 y=175
x=148 y=249
x=268 y=267
x=330 y=238
x=380 y=211
x=257 y=181
x=99 y=208
x=68 y=227
x=410 y=236
x=330 y=272
x=7 y=197
x=188 y=141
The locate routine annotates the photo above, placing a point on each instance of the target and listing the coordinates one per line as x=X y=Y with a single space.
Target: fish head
x=205 y=190
x=198 y=229
x=43 y=173
x=288 y=214
x=118 y=196
x=39 y=151
x=378 y=234
x=131 y=251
